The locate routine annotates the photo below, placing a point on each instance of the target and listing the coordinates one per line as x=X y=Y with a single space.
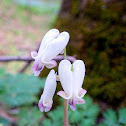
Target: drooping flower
x=46 y=100
x=52 y=44
x=71 y=78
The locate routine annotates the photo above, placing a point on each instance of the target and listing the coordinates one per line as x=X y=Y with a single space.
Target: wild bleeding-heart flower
x=45 y=102
x=71 y=78
x=52 y=44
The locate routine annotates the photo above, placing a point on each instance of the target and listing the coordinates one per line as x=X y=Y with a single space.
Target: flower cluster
x=71 y=76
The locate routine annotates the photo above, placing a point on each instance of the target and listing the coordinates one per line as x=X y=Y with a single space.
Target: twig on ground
x=28 y=59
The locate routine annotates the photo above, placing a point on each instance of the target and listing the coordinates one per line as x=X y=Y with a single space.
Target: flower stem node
x=71 y=78
x=52 y=44
x=46 y=100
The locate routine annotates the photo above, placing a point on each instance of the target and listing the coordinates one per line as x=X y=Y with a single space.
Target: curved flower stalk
x=52 y=44
x=45 y=102
x=71 y=78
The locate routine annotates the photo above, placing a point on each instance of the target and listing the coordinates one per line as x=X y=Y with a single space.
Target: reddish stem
x=65 y=112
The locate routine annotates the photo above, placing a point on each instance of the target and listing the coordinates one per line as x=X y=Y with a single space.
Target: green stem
x=65 y=102
x=65 y=53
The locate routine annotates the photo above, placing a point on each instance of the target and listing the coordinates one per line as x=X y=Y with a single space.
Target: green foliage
x=29 y=116
x=122 y=116
x=111 y=118
x=55 y=117
x=2 y=71
x=20 y=92
x=4 y=122
x=17 y=90
x=98 y=38
x=85 y=114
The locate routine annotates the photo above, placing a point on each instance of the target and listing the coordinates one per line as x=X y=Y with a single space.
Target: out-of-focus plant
x=20 y=89
x=26 y=116
x=111 y=118
x=17 y=95
x=4 y=122
x=39 y=7
x=29 y=116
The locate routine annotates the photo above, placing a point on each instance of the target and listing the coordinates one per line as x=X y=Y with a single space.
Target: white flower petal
x=50 y=86
x=34 y=54
x=40 y=104
x=56 y=46
x=80 y=101
x=49 y=36
x=71 y=78
x=52 y=44
x=45 y=102
x=44 y=105
x=63 y=95
x=81 y=93
x=37 y=67
x=78 y=75
x=72 y=102
x=50 y=64
x=65 y=75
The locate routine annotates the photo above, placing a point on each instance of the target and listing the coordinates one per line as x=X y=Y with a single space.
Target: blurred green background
x=97 y=36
